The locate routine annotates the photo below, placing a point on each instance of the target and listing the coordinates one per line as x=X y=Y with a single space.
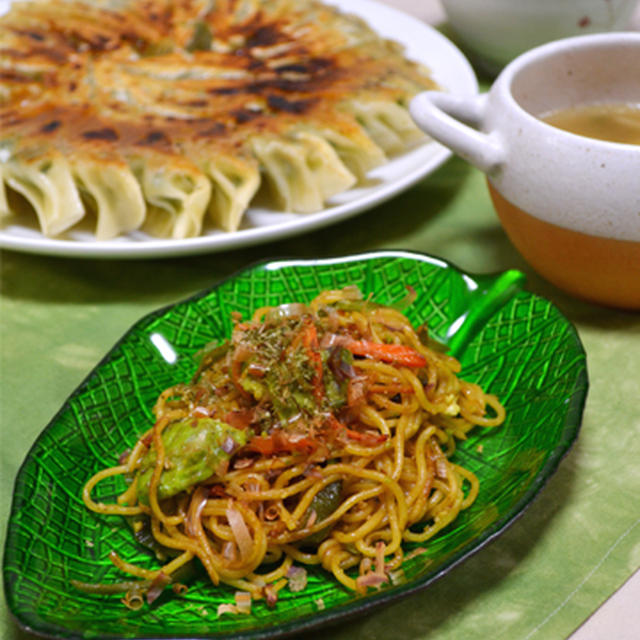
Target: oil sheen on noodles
x=318 y=434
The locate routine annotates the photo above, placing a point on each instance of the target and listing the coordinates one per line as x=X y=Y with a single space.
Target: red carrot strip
x=278 y=442
x=392 y=353
x=310 y=342
x=367 y=438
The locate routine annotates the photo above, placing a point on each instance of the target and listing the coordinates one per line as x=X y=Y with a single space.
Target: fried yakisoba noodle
x=317 y=434
x=169 y=116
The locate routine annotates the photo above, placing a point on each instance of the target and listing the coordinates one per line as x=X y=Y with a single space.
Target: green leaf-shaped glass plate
x=511 y=342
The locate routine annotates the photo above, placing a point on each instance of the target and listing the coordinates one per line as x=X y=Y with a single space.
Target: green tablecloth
x=575 y=545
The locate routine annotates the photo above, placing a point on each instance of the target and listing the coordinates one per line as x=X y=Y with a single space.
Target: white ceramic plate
x=450 y=69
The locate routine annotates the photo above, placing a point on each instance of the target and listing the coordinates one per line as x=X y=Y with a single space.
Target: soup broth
x=612 y=122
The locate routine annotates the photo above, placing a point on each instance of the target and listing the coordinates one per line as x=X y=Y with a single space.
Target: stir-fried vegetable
x=194 y=450
x=395 y=353
x=324 y=503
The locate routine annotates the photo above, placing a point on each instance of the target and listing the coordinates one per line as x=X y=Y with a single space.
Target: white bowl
x=570 y=204
x=494 y=32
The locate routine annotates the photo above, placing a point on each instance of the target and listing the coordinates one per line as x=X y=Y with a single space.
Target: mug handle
x=444 y=116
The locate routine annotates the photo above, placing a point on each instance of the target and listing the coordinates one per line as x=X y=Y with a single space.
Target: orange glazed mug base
x=597 y=269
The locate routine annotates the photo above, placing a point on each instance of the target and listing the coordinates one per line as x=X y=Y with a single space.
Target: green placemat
x=577 y=543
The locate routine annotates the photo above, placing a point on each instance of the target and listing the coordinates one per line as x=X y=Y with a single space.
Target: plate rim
x=352 y=609
x=429 y=156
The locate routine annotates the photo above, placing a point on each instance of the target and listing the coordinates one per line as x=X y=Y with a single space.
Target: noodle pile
x=319 y=434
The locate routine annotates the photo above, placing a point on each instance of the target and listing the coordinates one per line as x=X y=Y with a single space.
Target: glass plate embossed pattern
x=513 y=343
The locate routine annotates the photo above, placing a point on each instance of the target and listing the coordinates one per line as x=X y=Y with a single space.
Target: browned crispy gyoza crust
x=200 y=88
